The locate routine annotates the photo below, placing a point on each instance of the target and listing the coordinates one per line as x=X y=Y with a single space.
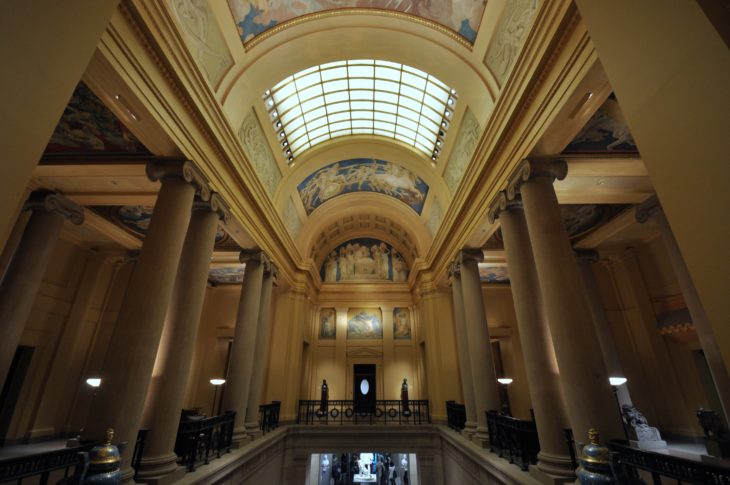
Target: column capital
x=55 y=202
x=532 y=168
x=455 y=268
x=214 y=204
x=586 y=255
x=470 y=254
x=187 y=171
x=253 y=255
x=501 y=203
x=648 y=209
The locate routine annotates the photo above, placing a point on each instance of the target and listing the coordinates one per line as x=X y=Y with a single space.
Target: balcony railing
x=514 y=439
x=626 y=461
x=41 y=466
x=200 y=440
x=269 y=416
x=455 y=415
x=381 y=412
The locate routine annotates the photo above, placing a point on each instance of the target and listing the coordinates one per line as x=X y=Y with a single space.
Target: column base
x=253 y=431
x=160 y=470
x=481 y=438
x=553 y=469
x=469 y=430
x=240 y=438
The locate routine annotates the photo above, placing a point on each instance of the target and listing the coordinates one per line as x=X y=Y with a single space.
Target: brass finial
x=109 y=436
x=593 y=436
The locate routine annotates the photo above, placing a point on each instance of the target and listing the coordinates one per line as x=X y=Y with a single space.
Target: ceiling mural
x=362 y=175
x=364 y=259
x=493 y=274
x=255 y=17
x=579 y=220
x=605 y=132
x=89 y=127
x=232 y=275
x=135 y=219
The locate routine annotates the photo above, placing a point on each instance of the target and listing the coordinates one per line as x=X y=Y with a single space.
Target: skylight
x=360 y=97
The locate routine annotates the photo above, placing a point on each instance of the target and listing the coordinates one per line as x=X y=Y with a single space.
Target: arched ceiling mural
x=364 y=259
x=255 y=17
x=362 y=175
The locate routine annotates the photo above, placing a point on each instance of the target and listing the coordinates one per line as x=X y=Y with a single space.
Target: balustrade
x=392 y=411
x=269 y=419
x=197 y=440
x=455 y=415
x=513 y=439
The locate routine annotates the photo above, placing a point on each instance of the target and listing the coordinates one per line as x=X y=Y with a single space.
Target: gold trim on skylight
x=356 y=97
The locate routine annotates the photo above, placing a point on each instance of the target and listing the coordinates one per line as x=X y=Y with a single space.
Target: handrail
x=625 y=461
x=16 y=469
x=514 y=439
x=198 y=439
x=339 y=411
x=269 y=416
x=455 y=415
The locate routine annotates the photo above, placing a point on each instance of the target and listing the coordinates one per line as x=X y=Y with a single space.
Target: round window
x=364 y=387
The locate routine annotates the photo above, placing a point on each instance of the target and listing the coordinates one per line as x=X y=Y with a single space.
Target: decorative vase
x=594 y=468
x=104 y=463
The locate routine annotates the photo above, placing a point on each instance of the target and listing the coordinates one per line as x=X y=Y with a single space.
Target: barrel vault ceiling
x=393 y=164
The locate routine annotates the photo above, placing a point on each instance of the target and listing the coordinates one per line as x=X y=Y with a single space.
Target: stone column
x=484 y=377
x=174 y=356
x=20 y=284
x=131 y=356
x=585 y=259
x=238 y=380
x=651 y=209
x=462 y=345
x=261 y=354
x=543 y=375
x=583 y=377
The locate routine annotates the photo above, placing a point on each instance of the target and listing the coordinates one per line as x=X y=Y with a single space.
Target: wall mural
x=254 y=17
x=509 y=36
x=135 y=219
x=232 y=275
x=362 y=175
x=88 y=126
x=466 y=142
x=364 y=259
x=606 y=131
x=364 y=323
x=401 y=324
x=327 y=324
x=259 y=153
x=493 y=274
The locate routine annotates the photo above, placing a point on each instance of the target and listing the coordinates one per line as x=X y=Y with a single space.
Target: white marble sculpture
x=645 y=436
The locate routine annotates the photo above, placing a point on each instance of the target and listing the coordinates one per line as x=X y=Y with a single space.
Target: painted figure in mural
x=327 y=318
x=364 y=324
x=384 y=262
x=400 y=270
x=401 y=323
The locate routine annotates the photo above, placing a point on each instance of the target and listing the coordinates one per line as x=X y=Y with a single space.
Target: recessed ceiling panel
x=360 y=97
x=362 y=175
x=253 y=18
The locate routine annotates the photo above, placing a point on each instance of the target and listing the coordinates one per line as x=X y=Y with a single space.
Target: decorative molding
x=648 y=209
x=364 y=352
x=55 y=202
x=166 y=169
x=215 y=204
x=455 y=269
x=529 y=169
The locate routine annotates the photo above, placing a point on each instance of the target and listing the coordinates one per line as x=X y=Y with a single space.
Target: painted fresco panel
x=605 y=132
x=327 y=324
x=401 y=324
x=466 y=142
x=227 y=276
x=364 y=323
x=364 y=259
x=88 y=126
x=362 y=175
x=509 y=36
x=259 y=153
x=493 y=274
x=255 y=17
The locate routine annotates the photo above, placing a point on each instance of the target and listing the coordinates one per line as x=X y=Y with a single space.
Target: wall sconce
x=94 y=381
x=616 y=381
x=217 y=382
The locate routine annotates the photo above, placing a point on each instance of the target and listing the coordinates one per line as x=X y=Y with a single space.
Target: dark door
x=364 y=382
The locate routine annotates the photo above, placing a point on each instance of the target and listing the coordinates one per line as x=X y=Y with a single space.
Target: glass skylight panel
x=360 y=97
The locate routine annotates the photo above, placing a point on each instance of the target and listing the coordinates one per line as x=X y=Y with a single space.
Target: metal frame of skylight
x=360 y=97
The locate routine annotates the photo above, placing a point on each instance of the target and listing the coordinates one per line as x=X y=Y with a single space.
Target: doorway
x=364 y=391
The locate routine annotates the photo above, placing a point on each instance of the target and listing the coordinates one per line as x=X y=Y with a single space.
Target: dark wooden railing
x=626 y=461
x=199 y=440
x=41 y=466
x=455 y=415
x=269 y=416
x=394 y=411
x=514 y=439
